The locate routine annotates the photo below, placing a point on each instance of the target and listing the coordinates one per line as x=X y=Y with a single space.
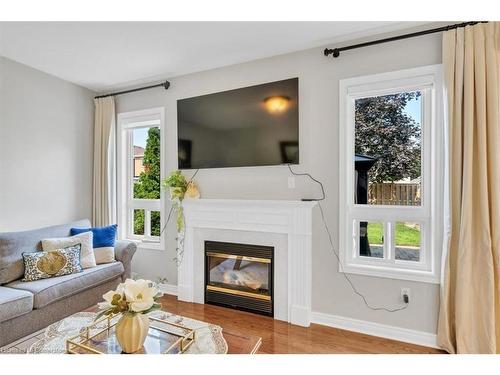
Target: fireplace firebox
x=239 y=276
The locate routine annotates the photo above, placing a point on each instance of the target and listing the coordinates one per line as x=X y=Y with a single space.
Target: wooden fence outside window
x=400 y=194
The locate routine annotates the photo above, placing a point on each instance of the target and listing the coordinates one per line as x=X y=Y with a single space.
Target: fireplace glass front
x=239 y=276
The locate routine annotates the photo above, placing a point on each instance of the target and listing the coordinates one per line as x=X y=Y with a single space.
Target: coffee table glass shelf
x=164 y=337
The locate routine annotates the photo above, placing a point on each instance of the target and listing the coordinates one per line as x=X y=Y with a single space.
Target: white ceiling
x=109 y=55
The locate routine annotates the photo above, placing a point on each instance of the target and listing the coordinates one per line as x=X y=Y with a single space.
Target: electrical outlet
x=407 y=292
x=291 y=182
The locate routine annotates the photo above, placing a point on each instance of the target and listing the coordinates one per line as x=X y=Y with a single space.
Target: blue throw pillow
x=103 y=237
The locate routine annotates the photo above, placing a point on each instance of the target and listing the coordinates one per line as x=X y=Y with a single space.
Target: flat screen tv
x=251 y=126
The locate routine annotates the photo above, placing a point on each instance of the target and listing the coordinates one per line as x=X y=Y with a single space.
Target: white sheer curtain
x=104 y=185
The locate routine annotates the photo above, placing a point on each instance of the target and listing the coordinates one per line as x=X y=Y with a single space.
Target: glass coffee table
x=164 y=337
x=169 y=333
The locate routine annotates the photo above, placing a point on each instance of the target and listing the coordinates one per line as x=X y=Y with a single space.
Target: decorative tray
x=164 y=337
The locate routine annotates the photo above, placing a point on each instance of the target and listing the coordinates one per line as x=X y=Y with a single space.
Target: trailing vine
x=178 y=185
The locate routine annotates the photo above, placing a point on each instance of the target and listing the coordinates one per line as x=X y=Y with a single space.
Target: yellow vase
x=192 y=191
x=131 y=331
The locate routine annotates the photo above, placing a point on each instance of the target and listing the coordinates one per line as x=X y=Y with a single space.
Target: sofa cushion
x=87 y=258
x=46 y=291
x=103 y=241
x=14 y=244
x=14 y=302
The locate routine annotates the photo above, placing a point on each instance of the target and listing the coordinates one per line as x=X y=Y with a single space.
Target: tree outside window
x=148 y=184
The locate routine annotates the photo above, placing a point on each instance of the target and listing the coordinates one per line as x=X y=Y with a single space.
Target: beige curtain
x=469 y=318
x=103 y=187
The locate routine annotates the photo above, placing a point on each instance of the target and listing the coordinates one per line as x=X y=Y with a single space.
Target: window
x=391 y=162
x=140 y=155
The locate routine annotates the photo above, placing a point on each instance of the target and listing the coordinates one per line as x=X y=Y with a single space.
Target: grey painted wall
x=319 y=129
x=45 y=149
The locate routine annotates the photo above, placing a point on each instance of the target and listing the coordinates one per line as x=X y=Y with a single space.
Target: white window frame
x=429 y=214
x=127 y=121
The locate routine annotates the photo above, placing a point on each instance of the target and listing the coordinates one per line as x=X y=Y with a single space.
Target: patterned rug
x=209 y=338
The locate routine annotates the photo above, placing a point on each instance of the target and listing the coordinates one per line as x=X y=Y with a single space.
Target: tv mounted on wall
x=251 y=126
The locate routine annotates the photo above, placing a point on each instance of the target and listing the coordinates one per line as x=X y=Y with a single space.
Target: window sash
x=389 y=246
x=147 y=236
x=425 y=140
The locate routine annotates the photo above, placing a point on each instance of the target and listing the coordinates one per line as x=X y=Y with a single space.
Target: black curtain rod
x=335 y=52
x=165 y=84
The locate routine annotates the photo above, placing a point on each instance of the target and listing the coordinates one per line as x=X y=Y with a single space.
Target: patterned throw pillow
x=46 y=264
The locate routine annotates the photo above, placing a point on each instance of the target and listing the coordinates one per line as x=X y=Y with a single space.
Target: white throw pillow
x=104 y=254
x=87 y=258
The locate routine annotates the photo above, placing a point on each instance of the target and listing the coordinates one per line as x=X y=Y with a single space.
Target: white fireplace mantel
x=261 y=217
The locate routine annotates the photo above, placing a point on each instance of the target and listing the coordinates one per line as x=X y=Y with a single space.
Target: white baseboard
x=376 y=329
x=168 y=289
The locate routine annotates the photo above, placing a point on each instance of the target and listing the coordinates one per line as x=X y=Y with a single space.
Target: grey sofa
x=26 y=307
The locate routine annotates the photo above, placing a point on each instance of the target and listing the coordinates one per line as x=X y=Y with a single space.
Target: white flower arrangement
x=131 y=297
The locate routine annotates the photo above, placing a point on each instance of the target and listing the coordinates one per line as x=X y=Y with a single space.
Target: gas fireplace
x=239 y=276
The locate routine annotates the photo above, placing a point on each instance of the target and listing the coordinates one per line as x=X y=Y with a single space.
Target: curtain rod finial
x=335 y=52
x=166 y=85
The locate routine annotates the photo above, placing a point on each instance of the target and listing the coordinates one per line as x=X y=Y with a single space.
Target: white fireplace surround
x=285 y=225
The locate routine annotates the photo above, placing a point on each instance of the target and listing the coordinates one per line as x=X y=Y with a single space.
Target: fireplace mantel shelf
x=250 y=202
x=262 y=218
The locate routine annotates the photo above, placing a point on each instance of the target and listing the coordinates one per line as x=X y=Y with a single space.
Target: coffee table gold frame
x=81 y=340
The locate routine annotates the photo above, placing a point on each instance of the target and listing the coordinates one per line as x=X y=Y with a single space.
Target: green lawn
x=405 y=234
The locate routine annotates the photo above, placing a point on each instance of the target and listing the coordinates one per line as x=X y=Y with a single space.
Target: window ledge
x=390 y=273
x=149 y=245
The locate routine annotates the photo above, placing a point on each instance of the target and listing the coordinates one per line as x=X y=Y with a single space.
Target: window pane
x=407 y=235
x=388 y=149
x=146 y=163
x=371 y=239
x=139 y=222
x=155 y=223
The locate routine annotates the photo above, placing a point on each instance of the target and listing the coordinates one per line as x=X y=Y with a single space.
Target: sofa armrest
x=124 y=251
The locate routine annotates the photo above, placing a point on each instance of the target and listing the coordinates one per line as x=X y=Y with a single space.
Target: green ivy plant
x=177 y=184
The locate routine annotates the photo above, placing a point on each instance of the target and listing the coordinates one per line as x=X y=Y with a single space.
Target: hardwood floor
x=283 y=338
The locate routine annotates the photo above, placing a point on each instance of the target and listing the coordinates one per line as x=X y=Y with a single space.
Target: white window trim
x=431 y=211
x=130 y=120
